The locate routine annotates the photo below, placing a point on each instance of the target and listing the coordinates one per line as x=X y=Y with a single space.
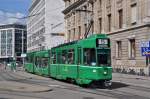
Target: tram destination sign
x=102 y=42
x=145 y=48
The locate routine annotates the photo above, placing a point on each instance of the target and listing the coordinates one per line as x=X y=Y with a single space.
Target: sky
x=13 y=8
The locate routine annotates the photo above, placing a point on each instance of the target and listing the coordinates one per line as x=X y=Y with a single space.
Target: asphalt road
x=62 y=90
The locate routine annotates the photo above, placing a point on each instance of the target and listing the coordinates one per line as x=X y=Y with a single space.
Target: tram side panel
x=29 y=65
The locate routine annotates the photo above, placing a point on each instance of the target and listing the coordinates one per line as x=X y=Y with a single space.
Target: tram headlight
x=105 y=73
x=94 y=71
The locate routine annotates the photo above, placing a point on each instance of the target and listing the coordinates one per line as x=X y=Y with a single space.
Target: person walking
x=5 y=65
x=13 y=65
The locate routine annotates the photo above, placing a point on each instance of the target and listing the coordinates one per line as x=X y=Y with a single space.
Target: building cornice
x=13 y=26
x=129 y=29
x=74 y=5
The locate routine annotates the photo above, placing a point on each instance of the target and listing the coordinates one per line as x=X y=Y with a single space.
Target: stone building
x=127 y=22
x=45 y=24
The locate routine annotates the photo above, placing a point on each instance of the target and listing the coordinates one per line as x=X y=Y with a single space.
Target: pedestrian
x=5 y=65
x=0 y=66
x=13 y=66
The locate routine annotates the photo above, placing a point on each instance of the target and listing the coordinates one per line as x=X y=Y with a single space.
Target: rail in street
x=19 y=84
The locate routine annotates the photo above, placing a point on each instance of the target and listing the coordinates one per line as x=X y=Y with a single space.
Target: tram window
x=79 y=56
x=53 y=57
x=44 y=62
x=38 y=62
x=28 y=59
x=32 y=59
x=71 y=56
x=64 y=57
x=89 y=57
x=103 y=59
x=59 y=58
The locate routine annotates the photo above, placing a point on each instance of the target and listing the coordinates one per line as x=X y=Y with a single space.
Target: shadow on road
x=115 y=85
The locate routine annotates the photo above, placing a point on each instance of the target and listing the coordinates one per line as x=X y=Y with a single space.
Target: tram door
x=79 y=61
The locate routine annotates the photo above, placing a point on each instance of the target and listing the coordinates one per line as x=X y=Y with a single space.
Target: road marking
x=57 y=86
x=54 y=85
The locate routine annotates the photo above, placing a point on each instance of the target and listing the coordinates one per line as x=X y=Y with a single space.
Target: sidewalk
x=134 y=80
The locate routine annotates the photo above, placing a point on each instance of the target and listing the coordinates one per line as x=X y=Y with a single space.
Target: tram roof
x=94 y=36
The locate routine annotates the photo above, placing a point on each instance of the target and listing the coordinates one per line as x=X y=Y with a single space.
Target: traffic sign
x=145 y=51
x=23 y=55
x=145 y=48
x=145 y=44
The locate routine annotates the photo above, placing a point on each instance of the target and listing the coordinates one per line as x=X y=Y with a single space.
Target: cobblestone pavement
x=123 y=87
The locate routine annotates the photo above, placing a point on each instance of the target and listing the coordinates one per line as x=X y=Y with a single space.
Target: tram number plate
x=103 y=41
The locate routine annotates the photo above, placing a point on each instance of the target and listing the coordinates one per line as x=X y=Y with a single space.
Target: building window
x=108 y=2
x=74 y=19
x=79 y=32
x=74 y=34
x=93 y=27
x=69 y=35
x=147 y=61
x=92 y=4
x=85 y=27
x=132 y=48
x=120 y=12
x=109 y=22
x=133 y=14
x=118 y=49
x=100 y=25
x=85 y=14
x=100 y=4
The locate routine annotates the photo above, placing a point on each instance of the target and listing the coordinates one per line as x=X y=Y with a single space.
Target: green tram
x=85 y=61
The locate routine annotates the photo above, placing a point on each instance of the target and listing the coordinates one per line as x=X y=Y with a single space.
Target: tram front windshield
x=103 y=58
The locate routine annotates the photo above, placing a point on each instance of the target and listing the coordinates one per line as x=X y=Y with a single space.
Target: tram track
x=109 y=93
x=27 y=96
x=5 y=77
x=115 y=93
x=139 y=88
